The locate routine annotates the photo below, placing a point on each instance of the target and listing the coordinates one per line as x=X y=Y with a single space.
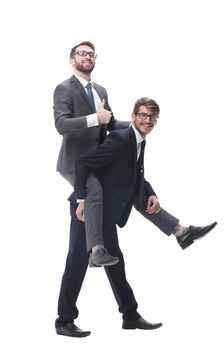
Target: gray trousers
x=93 y=210
x=94 y=213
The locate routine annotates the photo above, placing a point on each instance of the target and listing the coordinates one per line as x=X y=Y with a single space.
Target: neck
x=142 y=135
x=86 y=76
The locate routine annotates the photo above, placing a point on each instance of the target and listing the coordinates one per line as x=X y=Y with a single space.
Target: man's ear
x=71 y=61
x=133 y=117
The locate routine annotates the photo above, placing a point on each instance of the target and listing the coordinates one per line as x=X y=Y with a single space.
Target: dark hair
x=87 y=43
x=148 y=103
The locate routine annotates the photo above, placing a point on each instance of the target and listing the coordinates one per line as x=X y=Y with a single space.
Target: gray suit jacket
x=71 y=106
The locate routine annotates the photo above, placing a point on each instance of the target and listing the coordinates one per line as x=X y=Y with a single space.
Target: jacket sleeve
x=148 y=189
x=117 y=124
x=143 y=191
x=63 y=112
x=95 y=159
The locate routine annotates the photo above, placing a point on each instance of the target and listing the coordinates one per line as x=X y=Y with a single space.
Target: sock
x=179 y=230
x=96 y=247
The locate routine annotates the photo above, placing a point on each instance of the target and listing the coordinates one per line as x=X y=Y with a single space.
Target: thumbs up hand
x=103 y=114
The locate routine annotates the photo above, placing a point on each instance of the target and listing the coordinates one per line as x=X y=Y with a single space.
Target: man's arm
x=152 y=203
x=65 y=122
x=63 y=112
x=148 y=190
x=96 y=159
x=113 y=124
x=117 y=124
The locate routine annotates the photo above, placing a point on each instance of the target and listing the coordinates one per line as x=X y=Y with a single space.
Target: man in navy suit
x=118 y=164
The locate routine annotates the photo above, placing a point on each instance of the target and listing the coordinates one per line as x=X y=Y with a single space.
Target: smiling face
x=144 y=120
x=81 y=60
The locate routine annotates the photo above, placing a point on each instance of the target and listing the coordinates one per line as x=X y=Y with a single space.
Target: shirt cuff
x=80 y=200
x=92 y=120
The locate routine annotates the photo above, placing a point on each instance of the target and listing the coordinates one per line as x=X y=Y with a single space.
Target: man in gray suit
x=83 y=117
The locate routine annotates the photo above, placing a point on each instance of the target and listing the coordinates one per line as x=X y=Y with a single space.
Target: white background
x=171 y=51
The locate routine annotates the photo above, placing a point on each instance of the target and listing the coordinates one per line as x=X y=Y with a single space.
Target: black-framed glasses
x=145 y=116
x=84 y=53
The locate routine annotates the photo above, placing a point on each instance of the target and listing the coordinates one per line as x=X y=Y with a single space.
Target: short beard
x=140 y=132
x=81 y=68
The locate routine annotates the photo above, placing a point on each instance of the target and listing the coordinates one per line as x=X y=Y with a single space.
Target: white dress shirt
x=139 y=140
x=92 y=119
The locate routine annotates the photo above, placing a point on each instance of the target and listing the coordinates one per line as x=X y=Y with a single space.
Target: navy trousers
x=75 y=270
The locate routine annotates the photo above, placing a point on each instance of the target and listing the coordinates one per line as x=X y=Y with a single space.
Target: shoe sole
x=81 y=335
x=144 y=329
x=92 y=264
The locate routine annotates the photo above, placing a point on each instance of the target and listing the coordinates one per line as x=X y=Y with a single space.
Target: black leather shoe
x=102 y=258
x=140 y=324
x=193 y=233
x=72 y=330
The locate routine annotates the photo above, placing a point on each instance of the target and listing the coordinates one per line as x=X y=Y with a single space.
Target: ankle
x=97 y=247
x=179 y=230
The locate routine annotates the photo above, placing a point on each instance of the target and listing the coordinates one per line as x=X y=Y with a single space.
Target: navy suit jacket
x=122 y=178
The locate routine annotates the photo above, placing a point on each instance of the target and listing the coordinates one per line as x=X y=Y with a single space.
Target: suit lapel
x=103 y=127
x=99 y=91
x=133 y=143
x=81 y=89
x=139 y=171
x=134 y=149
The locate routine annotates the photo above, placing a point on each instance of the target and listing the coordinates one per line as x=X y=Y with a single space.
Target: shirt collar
x=138 y=136
x=84 y=82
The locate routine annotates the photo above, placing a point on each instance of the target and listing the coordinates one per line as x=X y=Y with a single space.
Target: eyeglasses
x=85 y=53
x=145 y=116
